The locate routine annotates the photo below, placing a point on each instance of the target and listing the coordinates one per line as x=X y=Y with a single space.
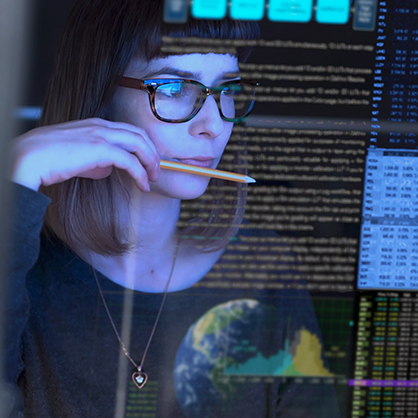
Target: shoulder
x=26 y=200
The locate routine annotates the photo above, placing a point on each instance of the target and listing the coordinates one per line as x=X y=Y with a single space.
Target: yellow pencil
x=208 y=172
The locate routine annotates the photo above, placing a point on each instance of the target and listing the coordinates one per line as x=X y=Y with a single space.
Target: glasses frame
x=150 y=86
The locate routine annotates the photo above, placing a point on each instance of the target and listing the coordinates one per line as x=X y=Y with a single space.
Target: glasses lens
x=237 y=99
x=177 y=100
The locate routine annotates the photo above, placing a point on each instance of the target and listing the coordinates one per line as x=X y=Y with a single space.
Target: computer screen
x=326 y=258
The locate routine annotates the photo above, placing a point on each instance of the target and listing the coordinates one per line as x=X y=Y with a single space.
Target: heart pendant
x=139 y=378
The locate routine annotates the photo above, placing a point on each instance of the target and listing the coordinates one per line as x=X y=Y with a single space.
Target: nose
x=208 y=122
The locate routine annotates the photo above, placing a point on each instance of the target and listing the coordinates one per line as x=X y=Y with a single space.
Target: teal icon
x=333 y=11
x=213 y=9
x=176 y=11
x=247 y=9
x=290 y=10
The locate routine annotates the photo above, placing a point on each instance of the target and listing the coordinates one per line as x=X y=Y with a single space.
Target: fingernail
x=148 y=188
x=156 y=172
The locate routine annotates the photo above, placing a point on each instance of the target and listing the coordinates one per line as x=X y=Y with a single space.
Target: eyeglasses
x=180 y=100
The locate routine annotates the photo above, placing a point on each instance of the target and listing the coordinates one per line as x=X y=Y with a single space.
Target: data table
x=389 y=232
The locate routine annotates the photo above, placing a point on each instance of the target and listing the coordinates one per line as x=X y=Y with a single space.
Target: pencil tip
x=250 y=179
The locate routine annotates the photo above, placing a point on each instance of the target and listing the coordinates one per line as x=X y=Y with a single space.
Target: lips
x=206 y=162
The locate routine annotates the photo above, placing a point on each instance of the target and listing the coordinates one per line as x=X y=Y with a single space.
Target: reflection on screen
x=327 y=256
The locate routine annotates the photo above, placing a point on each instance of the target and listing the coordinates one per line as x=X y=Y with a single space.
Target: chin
x=181 y=185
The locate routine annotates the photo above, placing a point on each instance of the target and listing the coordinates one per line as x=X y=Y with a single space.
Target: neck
x=149 y=221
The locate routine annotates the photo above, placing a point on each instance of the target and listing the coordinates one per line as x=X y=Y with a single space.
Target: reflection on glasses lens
x=237 y=99
x=179 y=100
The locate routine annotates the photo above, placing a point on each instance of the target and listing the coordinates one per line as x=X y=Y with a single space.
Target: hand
x=88 y=148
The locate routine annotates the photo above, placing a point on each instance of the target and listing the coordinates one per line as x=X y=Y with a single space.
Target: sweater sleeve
x=21 y=251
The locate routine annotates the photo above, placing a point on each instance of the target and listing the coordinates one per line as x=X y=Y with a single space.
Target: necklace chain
x=122 y=345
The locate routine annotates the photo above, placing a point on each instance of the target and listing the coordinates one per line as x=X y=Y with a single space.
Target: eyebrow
x=188 y=74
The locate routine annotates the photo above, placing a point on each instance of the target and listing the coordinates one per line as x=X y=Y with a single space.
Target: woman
x=109 y=314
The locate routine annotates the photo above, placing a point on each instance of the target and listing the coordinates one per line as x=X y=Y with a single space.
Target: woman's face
x=201 y=140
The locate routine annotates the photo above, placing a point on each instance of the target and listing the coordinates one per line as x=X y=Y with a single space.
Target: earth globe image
x=225 y=336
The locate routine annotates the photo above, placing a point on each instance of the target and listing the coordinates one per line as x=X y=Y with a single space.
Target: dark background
x=48 y=18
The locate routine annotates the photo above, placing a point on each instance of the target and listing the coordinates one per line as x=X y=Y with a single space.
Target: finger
x=97 y=123
x=117 y=157
x=119 y=134
x=129 y=127
x=121 y=125
x=133 y=141
x=135 y=144
x=96 y=173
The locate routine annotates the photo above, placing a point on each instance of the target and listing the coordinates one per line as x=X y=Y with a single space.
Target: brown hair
x=99 y=40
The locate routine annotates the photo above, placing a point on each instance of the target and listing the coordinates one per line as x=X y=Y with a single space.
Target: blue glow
x=290 y=10
x=247 y=9
x=333 y=11
x=213 y=9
